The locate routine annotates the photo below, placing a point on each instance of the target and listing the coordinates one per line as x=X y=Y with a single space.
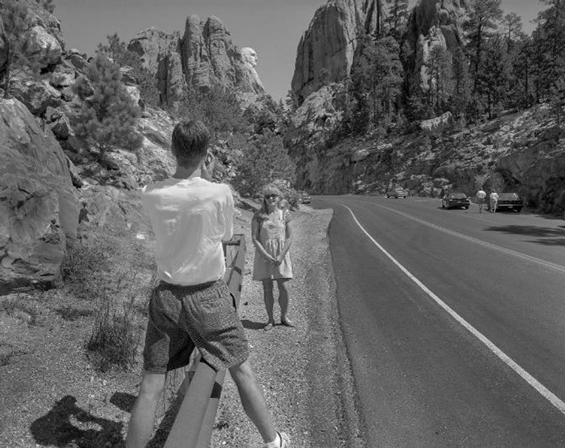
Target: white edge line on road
x=544 y=263
x=546 y=393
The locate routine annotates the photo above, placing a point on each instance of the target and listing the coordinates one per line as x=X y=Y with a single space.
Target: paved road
x=454 y=322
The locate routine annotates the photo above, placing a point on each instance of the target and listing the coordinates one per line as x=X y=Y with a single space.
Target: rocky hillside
x=522 y=151
x=53 y=193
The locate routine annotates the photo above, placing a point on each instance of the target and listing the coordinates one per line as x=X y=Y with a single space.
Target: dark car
x=455 y=200
x=397 y=193
x=304 y=198
x=509 y=201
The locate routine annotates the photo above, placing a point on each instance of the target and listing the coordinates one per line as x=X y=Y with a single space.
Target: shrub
x=116 y=274
x=114 y=340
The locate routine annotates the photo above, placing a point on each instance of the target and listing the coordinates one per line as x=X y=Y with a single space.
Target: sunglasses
x=271 y=196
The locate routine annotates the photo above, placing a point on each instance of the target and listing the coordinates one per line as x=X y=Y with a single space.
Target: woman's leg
x=284 y=301
x=269 y=302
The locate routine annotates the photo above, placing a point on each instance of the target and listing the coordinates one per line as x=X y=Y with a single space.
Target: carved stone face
x=249 y=56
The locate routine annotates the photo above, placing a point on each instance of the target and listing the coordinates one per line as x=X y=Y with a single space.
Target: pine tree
x=108 y=114
x=493 y=81
x=217 y=107
x=482 y=19
x=397 y=18
x=17 y=23
x=461 y=83
x=118 y=52
x=376 y=80
x=263 y=161
x=549 y=48
x=439 y=84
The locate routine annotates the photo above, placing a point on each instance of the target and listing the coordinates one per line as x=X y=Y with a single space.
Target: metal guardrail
x=202 y=386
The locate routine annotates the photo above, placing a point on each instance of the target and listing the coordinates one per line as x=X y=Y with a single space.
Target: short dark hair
x=190 y=142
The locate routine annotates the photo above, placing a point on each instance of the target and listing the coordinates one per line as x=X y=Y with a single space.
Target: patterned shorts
x=184 y=317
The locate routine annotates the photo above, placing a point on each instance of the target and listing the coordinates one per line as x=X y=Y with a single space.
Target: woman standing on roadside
x=271 y=233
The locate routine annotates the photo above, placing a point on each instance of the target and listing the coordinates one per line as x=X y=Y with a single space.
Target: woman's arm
x=256 y=242
x=287 y=243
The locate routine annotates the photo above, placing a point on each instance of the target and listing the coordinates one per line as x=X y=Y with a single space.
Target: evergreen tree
x=262 y=161
x=439 y=80
x=397 y=18
x=17 y=23
x=108 y=114
x=549 y=48
x=118 y=52
x=512 y=24
x=493 y=81
x=483 y=16
x=461 y=83
x=376 y=80
x=521 y=74
x=217 y=107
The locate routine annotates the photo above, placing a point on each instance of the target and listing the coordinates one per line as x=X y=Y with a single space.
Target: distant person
x=271 y=233
x=493 y=201
x=192 y=306
x=481 y=195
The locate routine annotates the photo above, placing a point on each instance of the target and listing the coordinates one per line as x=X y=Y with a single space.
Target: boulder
x=44 y=47
x=38 y=204
x=36 y=95
x=437 y=125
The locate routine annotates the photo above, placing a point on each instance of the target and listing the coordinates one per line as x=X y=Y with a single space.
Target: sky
x=271 y=27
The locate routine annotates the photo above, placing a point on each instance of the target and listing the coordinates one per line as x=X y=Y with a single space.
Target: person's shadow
x=56 y=428
x=250 y=325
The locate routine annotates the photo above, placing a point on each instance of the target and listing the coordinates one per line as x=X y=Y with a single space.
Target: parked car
x=304 y=197
x=509 y=201
x=397 y=193
x=455 y=200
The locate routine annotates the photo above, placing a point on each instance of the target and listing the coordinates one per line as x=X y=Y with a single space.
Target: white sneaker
x=285 y=440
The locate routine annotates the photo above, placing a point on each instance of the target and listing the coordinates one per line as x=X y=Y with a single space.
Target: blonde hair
x=268 y=189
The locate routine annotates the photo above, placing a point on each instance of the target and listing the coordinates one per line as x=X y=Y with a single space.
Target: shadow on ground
x=549 y=236
x=250 y=325
x=67 y=425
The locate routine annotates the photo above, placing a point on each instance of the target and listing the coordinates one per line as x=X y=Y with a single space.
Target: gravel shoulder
x=51 y=397
x=304 y=372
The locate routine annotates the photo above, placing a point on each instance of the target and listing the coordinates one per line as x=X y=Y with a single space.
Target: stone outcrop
x=431 y=23
x=204 y=56
x=38 y=203
x=437 y=125
x=325 y=51
x=45 y=39
x=160 y=54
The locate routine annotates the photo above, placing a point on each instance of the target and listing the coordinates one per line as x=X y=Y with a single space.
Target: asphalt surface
x=454 y=322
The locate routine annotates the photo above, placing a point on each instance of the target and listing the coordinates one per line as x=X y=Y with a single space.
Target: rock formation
x=325 y=51
x=38 y=203
x=45 y=37
x=431 y=23
x=203 y=57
